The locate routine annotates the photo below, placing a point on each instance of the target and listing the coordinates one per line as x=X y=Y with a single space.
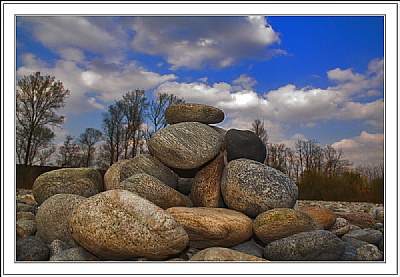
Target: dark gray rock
x=253 y=188
x=27 y=227
x=369 y=235
x=185 y=185
x=320 y=245
x=32 y=248
x=74 y=254
x=244 y=144
x=350 y=252
x=188 y=112
x=369 y=252
x=381 y=244
x=250 y=247
x=186 y=145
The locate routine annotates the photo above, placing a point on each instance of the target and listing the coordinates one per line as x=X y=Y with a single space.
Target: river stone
x=206 y=186
x=221 y=254
x=26 y=227
x=188 y=112
x=144 y=163
x=253 y=188
x=360 y=219
x=185 y=145
x=249 y=247
x=154 y=190
x=74 y=254
x=369 y=252
x=325 y=216
x=56 y=247
x=340 y=227
x=208 y=227
x=350 y=252
x=53 y=218
x=222 y=133
x=282 y=222
x=369 y=235
x=26 y=215
x=31 y=248
x=120 y=225
x=80 y=181
x=320 y=245
x=244 y=144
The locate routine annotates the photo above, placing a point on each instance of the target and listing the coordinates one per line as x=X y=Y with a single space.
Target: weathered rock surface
x=369 y=235
x=282 y=222
x=56 y=247
x=253 y=188
x=206 y=186
x=185 y=145
x=340 y=227
x=145 y=163
x=154 y=190
x=325 y=216
x=188 y=112
x=74 y=254
x=368 y=252
x=53 y=218
x=32 y=248
x=220 y=254
x=25 y=215
x=320 y=245
x=208 y=227
x=80 y=181
x=360 y=219
x=244 y=144
x=120 y=225
x=249 y=247
x=26 y=227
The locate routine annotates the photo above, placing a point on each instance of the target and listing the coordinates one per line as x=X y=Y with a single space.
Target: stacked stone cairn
x=203 y=194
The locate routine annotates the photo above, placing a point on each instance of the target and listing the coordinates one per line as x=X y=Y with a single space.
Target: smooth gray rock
x=369 y=235
x=320 y=245
x=188 y=112
x=250 y=247
x=350 y=252
x=244 y=144
x=186 y=145
x=32 y=248
x=253 y=188
x=74 y=254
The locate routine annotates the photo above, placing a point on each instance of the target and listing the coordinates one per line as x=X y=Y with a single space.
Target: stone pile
x=202 y=194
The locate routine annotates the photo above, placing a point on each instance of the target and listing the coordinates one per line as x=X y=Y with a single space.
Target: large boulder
x=187 y=112
x=120 y=225
x=369 y=235
x=325 y=216
x=206 y=186
x=221 y=254
x=244 y=144
x=320 y=245
x=145 y=163
x=208 y=227
x=80 y=181
x=253 y=188
x=185 y=145
x=53 y=218
x=282 y=222
x=155 y=191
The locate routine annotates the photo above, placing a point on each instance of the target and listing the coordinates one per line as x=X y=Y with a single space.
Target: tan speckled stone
x=283 y=222
x=186 y=145
x=360 y=219
x=155 y=191
x=206 y=187
x=325 y=216
x=120 y=225
x=148 y=164
x=53 y=218
x=80 y=181
x=188 y=112
x=209 y=227
x=220 y=254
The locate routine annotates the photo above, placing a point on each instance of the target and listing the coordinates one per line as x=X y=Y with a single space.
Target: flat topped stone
x=188 y=112
x=186 y=145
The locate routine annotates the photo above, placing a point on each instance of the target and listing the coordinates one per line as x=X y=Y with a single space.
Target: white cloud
x=366 y=148
x=193 y=42
x=244 y=82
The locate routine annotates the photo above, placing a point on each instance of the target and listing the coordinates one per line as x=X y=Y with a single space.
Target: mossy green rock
x=188 y=112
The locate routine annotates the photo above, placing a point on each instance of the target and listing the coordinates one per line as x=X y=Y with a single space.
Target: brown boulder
x=325 y=216
x=360 y=219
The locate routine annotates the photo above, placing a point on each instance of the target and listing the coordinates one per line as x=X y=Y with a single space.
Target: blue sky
x=315 y=77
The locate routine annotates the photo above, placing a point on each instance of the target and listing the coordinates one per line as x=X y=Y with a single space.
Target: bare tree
x=113 y=129
x=87 y=140
x=38 y=97
x=259 y=130
x=70 y=152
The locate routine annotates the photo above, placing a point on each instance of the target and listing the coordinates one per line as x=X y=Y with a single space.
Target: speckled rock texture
x=340 y=227
x=120 y=225
x=26 y=227
x=25 y=215
x=31 y=248
x=360 y=219
x=369 y=235
x=74 y=254
x=220 y=254
x=154 y=190
x=206 y=186
x=325 y=216
x=282 y=222
x=320 y=245
x=56 y=247
x=188 y=112
x=253 y=188
x=208 y=227
x=185 y=145
x=145 y=163
x=369 y=252
x=244 y=144
x=222 y=133
x=80 y=181
x=53 y=218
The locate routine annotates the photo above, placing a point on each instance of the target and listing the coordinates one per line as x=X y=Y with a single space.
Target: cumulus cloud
x=194 y=42
x=367 y=148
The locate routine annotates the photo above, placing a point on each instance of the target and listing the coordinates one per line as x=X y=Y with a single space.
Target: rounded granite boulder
x=120 y=225
x=325 y=216
x=154 y=190
x=282 y=222
x=186 y=145
x=80 y=181
x=253 y=188
x=244 y=144
x=208 y=227
x=188 y=112
x=53 y=218
x=221 y=254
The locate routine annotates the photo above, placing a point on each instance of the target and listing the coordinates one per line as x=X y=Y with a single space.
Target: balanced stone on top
x=185 y=145
x=244 y=144
x=177 y=113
